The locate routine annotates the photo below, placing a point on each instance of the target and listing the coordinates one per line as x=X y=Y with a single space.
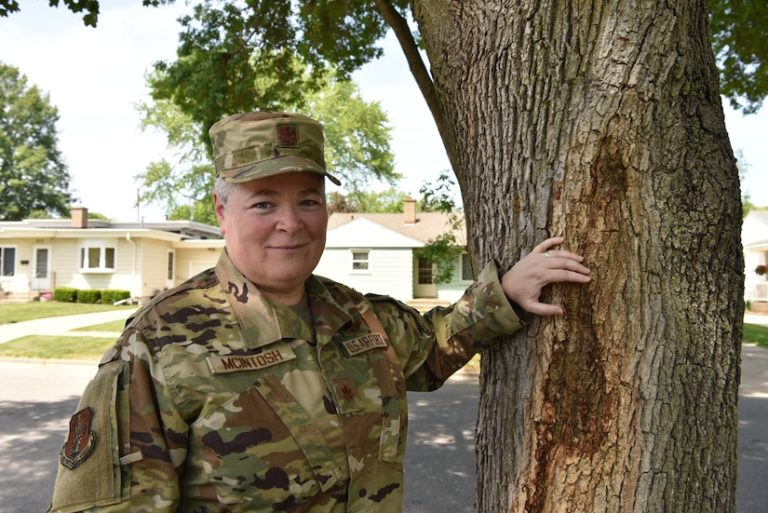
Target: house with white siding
x=39 y=255
x=377 y=253
x=754 y=239
x=380 y=253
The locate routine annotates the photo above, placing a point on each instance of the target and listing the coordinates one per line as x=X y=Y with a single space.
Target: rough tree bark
x=600 y=121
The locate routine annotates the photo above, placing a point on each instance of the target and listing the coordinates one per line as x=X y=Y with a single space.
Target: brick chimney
x=409 y=211
x=79 y=217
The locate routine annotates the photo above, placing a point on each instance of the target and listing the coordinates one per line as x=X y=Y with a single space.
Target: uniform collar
x=329 y=316
x=263 y=323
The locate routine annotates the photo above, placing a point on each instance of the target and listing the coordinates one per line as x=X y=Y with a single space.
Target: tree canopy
x=33 y=176
x=225 y=48
x=356 y=138
x=740 y=42
x=89 y=8
x=389 y=201
x=237 y=58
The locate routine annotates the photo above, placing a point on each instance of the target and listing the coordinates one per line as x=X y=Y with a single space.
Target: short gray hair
x=223 y=189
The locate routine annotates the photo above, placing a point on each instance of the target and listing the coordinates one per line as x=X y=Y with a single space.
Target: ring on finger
x=546 y=254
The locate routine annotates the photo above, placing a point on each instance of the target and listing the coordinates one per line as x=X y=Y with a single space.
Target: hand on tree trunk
x=542 y=266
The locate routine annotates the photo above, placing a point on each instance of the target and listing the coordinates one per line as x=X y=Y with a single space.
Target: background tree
x=388 y=201
x=739 y=34
x=444 y=249
x=357 y=135
x=89 y=8
x=182 y=183
x=33 y=176
x=356 y=138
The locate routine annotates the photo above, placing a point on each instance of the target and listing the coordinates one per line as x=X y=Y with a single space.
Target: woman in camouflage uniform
x=257 y=386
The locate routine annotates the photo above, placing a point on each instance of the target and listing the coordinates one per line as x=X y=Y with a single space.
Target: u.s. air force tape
x=365 y=343
x=225 y=364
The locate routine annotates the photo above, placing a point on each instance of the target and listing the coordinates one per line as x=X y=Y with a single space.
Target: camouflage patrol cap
x=261 y=144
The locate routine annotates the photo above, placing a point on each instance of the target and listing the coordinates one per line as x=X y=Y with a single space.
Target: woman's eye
x=262 y=205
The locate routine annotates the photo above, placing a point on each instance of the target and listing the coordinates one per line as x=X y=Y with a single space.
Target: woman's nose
x=289 y=220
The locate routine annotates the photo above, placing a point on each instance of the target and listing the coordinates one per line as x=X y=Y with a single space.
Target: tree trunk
x=600 y=121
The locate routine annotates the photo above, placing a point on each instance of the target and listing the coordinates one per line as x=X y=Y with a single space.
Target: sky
x=95 y=77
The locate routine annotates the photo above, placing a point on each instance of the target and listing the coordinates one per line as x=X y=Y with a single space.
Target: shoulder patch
x=80 y=440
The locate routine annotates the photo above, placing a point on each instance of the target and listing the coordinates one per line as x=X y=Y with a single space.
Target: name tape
x=365 y=343
x=225 y=364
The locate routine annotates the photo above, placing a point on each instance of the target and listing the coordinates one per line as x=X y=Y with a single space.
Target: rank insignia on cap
x=80 y=440
x=288 y=135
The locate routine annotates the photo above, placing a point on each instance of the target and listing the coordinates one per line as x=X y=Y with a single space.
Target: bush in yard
x=65 y=294
x=88 y=296
x=109 y=296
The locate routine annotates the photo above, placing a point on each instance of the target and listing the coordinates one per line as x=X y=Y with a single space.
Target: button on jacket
x=216 y=400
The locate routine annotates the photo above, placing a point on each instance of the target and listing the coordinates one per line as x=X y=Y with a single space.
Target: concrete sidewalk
x=63 y=326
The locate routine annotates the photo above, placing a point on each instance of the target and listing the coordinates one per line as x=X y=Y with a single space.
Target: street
x=36 y=401
x=440 y=456
x=751 y=491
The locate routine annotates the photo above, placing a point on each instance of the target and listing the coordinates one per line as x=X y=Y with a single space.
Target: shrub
x=65 y=294
x=88 y=296
x=109 y=296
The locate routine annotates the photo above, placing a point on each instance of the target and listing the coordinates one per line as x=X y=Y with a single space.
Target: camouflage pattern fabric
x=260 y=144
x=215 y=400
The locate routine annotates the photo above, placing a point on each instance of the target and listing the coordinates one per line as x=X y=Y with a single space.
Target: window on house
x=466 y=268
x=97 y=258
x=360 y=260
x=7 y=261
x=425 y=271
x=169 y=275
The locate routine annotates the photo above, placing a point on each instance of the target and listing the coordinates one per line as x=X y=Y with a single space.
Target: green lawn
x=17 y=312
x=47 y=347
x=756 y=334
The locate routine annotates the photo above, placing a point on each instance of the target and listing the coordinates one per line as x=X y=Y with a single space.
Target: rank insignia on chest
x=358 y=345
x=80 y=440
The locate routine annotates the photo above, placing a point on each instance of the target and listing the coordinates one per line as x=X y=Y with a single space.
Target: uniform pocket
x=262 y=451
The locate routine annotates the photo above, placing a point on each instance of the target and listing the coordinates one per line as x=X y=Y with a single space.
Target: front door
x=41 y=280
x=423 y=285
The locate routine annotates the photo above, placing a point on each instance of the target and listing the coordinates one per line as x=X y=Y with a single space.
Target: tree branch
x=419 y=71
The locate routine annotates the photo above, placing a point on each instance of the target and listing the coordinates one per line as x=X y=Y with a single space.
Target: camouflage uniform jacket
x=214 y=400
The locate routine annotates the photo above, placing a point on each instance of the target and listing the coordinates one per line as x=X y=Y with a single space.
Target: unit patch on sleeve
x=225 y=364
x=365 y=343
x=80 y=440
